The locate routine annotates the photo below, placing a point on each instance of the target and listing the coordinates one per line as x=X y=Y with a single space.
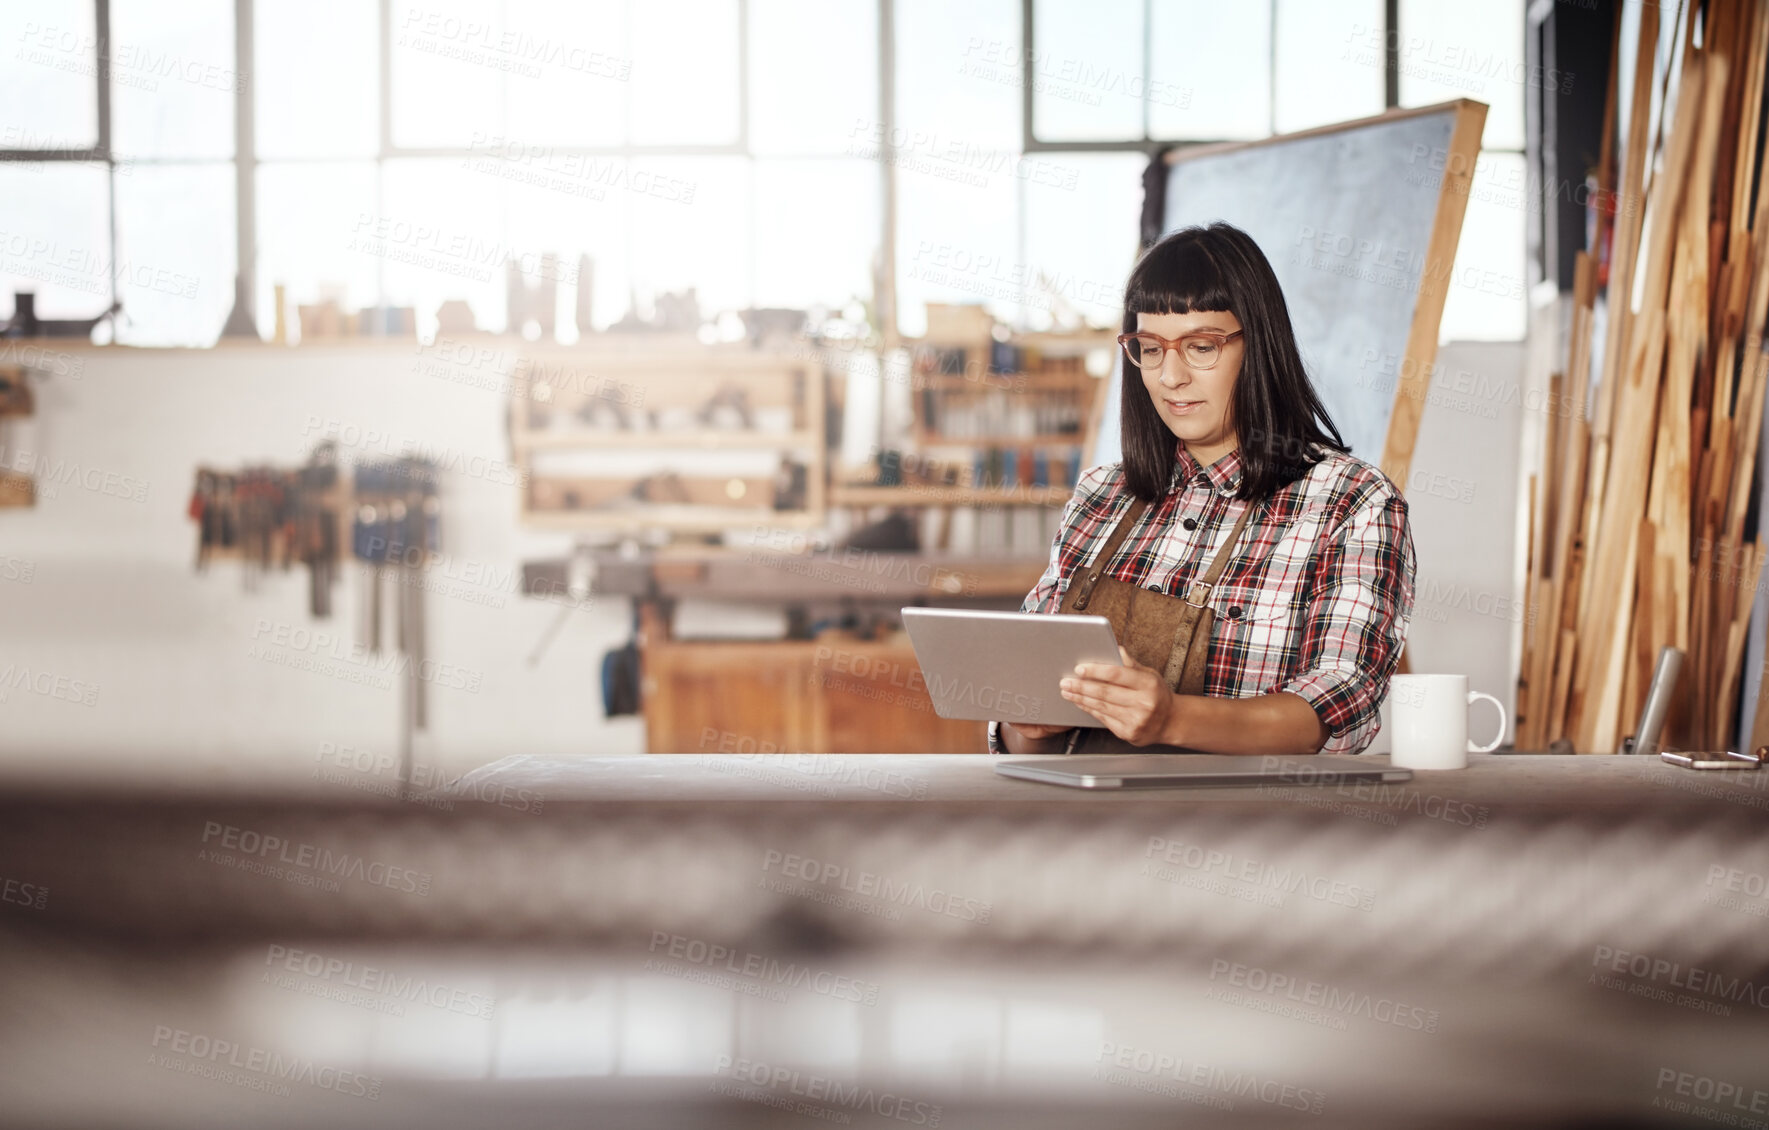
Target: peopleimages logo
x=17 y=893
x=1707 y=1089
x=46 y=683
x=1252 y=871
x=374 y=979
x=824 y=1089
x=873 y=885
x=1251 y=979
x=1707 y=982
x=1156 y=1073
x=262 y=849
x=224 y=1059
x=762 y=968
x=61 y=472
x=1410 y=801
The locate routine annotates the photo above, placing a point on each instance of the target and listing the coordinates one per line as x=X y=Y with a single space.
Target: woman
x=1231 y=461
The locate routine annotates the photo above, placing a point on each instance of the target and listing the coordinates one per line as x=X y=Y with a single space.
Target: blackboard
x=1360 y=221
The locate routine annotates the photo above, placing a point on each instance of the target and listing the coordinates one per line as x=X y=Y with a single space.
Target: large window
x=1137 y=75
x=620 y=149
x=406 y=152
x=119 y=183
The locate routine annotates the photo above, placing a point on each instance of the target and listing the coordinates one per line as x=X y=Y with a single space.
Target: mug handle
x=1503 y=719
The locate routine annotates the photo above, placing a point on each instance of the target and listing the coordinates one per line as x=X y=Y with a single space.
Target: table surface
x=1579 y=925
x=1509 y=783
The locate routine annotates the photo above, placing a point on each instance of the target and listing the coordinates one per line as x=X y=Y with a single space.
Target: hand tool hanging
x=314 y=519
x=395 y=534
x=266 y=516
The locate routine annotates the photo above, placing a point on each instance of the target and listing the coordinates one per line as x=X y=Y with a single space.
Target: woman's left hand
x=1132 y=700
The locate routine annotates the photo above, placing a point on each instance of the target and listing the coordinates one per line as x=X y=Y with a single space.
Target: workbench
x=840 y=692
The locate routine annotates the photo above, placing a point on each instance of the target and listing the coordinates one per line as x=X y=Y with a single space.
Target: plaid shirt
x=1315 y=601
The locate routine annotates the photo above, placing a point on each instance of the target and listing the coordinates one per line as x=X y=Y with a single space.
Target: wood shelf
x=1000 y=382
x=1048 y=341
x=1047 y=439
x=955 y=417
x=913 y=495
x=661 y=377
x=709 y=440
x=662 y=515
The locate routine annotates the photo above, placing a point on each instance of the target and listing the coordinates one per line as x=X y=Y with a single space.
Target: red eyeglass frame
x=1167 y=343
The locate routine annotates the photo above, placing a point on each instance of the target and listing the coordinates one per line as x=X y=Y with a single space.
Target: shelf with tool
x=999 y=422
x=800 y=613
x=681 y=436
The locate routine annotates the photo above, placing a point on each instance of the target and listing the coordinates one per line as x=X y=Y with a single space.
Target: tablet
x=1006 y=666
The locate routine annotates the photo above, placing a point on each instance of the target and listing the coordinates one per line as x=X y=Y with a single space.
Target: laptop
x=984 y=666
x=1199 y=770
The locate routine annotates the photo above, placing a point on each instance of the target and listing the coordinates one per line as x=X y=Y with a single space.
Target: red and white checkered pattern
x=1316 y=600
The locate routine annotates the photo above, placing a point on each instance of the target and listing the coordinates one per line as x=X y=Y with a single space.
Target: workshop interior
x=521 y=522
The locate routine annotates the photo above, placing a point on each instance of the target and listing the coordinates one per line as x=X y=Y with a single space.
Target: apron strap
x=1185 y=668
x=1219 y=562
x=1119 y=533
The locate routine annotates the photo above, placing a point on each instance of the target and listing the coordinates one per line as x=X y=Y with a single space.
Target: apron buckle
x=1086 y=592
x=1193 y=596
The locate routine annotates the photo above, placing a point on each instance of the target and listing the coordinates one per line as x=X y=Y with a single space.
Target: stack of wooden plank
x=1638 y=512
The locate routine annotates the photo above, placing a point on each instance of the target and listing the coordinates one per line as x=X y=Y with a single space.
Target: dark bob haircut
x=1275 y=413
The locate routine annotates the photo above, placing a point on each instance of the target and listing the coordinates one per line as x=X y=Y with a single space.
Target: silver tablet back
x=1006 y=666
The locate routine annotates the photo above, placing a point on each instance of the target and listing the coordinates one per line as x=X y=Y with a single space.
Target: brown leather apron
x=1169 y=633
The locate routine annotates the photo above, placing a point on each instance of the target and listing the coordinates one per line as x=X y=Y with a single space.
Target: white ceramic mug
x=1430 y=714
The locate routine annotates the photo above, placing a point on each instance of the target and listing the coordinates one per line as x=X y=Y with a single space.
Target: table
x=1501 y=945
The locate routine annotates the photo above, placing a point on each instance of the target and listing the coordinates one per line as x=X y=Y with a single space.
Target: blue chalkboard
x=1348 y=215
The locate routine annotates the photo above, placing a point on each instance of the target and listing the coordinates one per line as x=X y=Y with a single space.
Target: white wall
x=1463 y=500
x=112 y=600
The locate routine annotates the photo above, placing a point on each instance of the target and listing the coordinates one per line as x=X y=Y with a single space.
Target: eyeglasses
x=1199 y=350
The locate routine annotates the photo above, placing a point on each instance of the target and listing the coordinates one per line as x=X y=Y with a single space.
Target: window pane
x=1326 y=70
x=447 y=79
x=1452 y=49
x=572 y=88
x=175 y=253
x=307 y=216
x=439 y=234
x=694 y=231
x=684 y=77
x=1081 y=243
x=813 y=74
x=1216 y=59
x=56 y=243
x=173 y=78
x=580 y=206
x=49 y=84
x=958 y=77
x=816 y=231
x=1086 y=71
x=304 y=109
x=957 y=243
x=1486 y=295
